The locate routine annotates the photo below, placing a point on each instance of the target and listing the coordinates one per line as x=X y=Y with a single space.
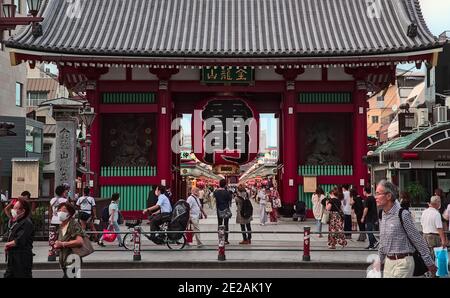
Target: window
x=41 y=119
x=19 y=90
x=47 y=152
x=18 y=5
x=33 y=139
x=375 y=119
x=34 y=98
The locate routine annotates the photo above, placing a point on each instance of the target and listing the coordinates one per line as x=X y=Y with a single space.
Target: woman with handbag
x=70 y=235
x=223 y=204
x=276 y=203
x=245 y=222
x=336 y=227
x=316 y=199
x=19 y=245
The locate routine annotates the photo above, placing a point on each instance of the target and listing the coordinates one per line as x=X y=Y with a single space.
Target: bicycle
x=128 y=239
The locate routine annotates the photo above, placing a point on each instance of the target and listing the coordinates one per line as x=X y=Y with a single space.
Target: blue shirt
x=164 y=204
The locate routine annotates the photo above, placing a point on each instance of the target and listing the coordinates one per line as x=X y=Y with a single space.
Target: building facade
x=144 y=63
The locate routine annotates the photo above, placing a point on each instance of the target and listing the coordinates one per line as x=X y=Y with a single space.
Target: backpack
x=179 y=220
x=247 y=208
x=105 y=216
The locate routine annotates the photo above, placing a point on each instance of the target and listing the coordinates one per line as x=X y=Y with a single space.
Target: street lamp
x=9 y=21
x=87 y=116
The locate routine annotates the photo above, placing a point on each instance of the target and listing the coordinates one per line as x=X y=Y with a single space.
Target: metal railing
x=304 y=243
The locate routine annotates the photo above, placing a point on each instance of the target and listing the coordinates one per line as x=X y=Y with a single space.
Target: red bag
x=109 y=237
x=189 y=235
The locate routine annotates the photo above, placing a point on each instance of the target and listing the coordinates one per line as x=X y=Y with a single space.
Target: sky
x=437 y=15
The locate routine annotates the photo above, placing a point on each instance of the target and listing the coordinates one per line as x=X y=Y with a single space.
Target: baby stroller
x=300 y=211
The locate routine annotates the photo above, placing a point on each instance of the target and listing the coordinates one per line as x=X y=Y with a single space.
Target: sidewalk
x=258 y=255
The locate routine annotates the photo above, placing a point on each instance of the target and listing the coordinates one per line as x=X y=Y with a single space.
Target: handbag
x=419 y=265
x=268 y=207
x=189 y=234
x=225 y=214
x=85 y=249
x=277 y=203
x=325 y=217
x=107 y=236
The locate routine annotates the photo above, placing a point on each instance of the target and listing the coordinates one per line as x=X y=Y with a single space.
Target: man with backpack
x=196 y=213
x=244 y=214
x=165 y=211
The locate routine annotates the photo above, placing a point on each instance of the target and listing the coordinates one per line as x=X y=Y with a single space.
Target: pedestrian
x=318 y=209
x=370 y=217
x=336 y=235
x=444 y=203
x=223 y=203
x=70 y=235
x=241 y=196
x=88 y=212
x=262 y=199
x=61 y=197
x=113 y=211
x=399 y=239
x=347 y=207
x=19 y=242
x=196 y=213
x=201 y=196
x=358 y=207
x=274 y=198
x=432 y=227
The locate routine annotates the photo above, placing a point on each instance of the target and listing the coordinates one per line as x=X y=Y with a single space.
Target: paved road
x=206 y=273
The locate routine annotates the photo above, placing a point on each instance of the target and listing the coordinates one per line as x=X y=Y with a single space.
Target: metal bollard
x=306 y=244
x=51 y=243
x=221 y=256
x=137 y=243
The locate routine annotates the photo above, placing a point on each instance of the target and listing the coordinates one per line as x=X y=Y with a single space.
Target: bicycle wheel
x=128 y=241
x=176 y=244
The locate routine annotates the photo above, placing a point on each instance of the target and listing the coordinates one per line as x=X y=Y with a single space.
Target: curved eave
x=19 y=55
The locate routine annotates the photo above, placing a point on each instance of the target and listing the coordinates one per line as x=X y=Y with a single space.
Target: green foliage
x=417 y=192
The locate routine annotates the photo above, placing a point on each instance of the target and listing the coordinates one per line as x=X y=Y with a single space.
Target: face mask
x=14 y=213
x=63 y=216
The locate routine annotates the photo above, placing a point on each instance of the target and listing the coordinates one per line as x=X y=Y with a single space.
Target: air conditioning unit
x=422 y=118
x=440 y=114
x=447 y=102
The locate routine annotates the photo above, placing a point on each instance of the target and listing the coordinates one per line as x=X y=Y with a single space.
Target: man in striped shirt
x=395 y=250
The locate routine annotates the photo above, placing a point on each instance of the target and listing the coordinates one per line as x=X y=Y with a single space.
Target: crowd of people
x=343 y=209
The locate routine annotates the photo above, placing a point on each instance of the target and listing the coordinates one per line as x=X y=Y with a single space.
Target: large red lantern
x=225 y=131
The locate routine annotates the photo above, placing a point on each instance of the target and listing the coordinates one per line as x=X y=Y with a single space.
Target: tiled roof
x=256 y=28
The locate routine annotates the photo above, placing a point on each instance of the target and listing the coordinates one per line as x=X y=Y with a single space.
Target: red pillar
x=164 y=154
x=360 y=136
x=290 y=150
x=93 y=97
x=165 y=110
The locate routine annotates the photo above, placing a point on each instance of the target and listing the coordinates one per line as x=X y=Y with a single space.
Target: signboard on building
x=226 y=170
x=443 y=165
x=65 y=171
x=310 y=184
x=25 y=176
x=228 y=75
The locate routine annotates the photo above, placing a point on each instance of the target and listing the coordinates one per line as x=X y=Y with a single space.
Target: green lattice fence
x=132 y=197
x=128 y=171
x=325 y=98
x=325 y=170
x=306 y=197
x=128 y=98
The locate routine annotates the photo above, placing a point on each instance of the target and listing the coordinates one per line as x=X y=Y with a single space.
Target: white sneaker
x=262 y=224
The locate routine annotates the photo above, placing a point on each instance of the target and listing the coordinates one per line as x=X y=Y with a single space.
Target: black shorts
x=84 y=216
